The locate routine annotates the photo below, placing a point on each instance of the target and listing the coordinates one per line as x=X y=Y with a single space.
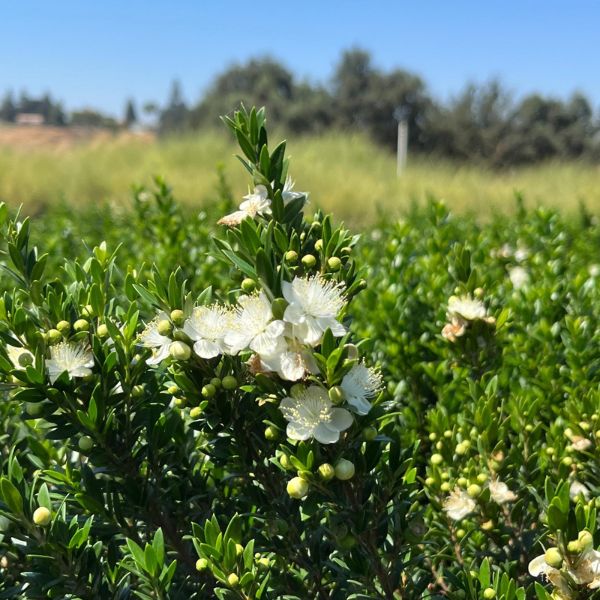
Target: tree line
x=483 y=123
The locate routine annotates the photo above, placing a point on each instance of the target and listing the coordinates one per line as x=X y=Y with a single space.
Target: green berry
x=42 y=516
x=344 y=469
x=177 y=316
x=297 y=488
x=180 y=351
x=229 y=382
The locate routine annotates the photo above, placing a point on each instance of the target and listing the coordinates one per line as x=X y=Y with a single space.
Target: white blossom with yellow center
x=74 y=358
x=255 y=203
x=288 y=194
x=459 y=504
x=313 y=306
x=292 y=361
x=360 y=384
x=465 y=307
x=158 y=344
x=310 y=414
x=208 y=326
x=254 y=327
x=500 y=493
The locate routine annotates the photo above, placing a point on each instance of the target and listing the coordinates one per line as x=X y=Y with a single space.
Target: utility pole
x=401 y=115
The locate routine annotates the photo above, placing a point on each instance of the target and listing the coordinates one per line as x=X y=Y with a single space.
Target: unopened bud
x=344 y=469
x=201 y=564
x=195 y=412
x=585 y=539
x=553 y=558
x=81 y=325
x=53 y=336
x=336 y=394
x=248 y=285
x=180 y=351
x=42 y=516
x=209 y=390
x=297 y=488
x=86 y=443
x=334 y=264
x=63 y=326
x=369 y=433
x=177 y=316
x=165 y=327
x=436 y=459
x=271 y=433
x=278 y=307
x=326 y=471
x=489 y=593
x=309 y=261
x=102 y=331
x=474 y=490
x=319 y=245
x=233 y=580
x=229 y=382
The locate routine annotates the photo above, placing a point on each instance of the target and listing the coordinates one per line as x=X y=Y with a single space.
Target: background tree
x=130 y=113
x=175 y=117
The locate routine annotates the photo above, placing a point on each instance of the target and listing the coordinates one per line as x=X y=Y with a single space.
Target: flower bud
x=263 y=563
x=238 y=549
x=369 y=433
x=346 y=251
x=179 y=402
x=137 y=391
x=180 y=351
x=42 y=516
x=248 y=285
x=474 y=490
x=195 y=412
x=87 y=311
x=101 y=252
x=102 y=331
x=447 y=434
x=232 y=580
x=481 y=478
x=201 y=564
x=297 y=488
x=86 y=443
x=445 y=487
x=574 y=546
x=64 y=327
x=334 y=264
x=319 y=245
x=278 y=307
x=336 y=394
x=344 y=469
x=347 y=542
x=53 y=336
x=165 y=327
x=489 y=593
x=487 y=525
x=177 y=317
x=209 y=390
x=216 y=381
x=585 y=539
x=172 y=389
x=284 y=461
x=432 y=436
x=291 y=256
x=81 y=325
x=309 y=261
x=271 y=433
x=229 y=382
x=326 y=472
x=460 y=534
x=553 y=558
x=436 y=459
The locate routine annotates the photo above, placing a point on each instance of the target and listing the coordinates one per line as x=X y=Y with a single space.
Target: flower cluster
x=461 y=503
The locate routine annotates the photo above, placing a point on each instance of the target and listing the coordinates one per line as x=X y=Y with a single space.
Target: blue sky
x=99 y=53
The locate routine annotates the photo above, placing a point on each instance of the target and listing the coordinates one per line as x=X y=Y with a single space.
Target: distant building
x=29 y=119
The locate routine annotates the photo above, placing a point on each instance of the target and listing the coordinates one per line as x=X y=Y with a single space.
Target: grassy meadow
x=347 y=174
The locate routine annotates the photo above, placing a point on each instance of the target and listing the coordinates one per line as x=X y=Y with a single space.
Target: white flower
x=521 y=254
x=576 y=489
x=580 y=443
x=311 y=414
x=253 y=327
x=538 y=567
x=456 y=328
x=500 y=493
x=359 y=384
x=76 y=359
x=288 y=195
x=19 y=356
x=314 y=304
x=519 y=277
x=459 y=504
x=584 y=570
x=207 y=326
x=159 y=344
x=293 y=361
x=467 y=308
x=256 y=203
